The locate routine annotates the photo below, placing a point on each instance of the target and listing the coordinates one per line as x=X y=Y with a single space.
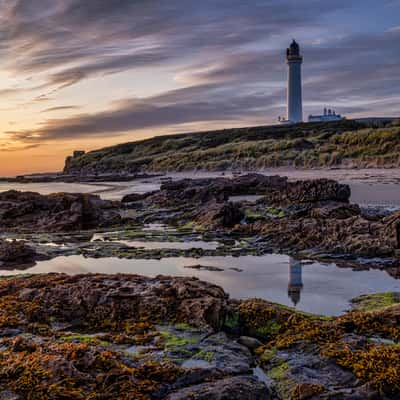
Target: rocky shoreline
x=131 y=337
x=311 y=219
x=77 y=178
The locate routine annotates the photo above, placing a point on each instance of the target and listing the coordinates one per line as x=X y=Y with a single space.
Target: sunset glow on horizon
x=84 y=75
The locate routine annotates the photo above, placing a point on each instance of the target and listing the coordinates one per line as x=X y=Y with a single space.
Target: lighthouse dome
x=294 y=49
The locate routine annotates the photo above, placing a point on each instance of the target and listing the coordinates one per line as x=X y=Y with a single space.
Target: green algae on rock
x=375 y=301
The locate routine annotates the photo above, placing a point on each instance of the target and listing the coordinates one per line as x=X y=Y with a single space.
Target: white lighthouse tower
x=294 y=91
x=295 y=285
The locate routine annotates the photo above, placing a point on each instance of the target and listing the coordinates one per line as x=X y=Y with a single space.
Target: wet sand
x=377 y=187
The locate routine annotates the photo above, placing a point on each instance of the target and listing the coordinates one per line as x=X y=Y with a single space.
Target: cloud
x=60 y=108
x=11 y=148
x=169 y=109
x=227 y=56
x=71 y=40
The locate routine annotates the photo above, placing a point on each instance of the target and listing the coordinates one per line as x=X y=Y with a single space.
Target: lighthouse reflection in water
x=295 y=285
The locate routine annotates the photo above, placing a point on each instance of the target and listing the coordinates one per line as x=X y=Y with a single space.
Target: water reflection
x=295 y=285
x=313 y=287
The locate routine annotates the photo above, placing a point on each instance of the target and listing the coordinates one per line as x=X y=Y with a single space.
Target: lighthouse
x=295 y=280
x=294 y=91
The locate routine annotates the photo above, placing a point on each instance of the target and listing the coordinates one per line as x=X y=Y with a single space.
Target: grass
x=302 y=145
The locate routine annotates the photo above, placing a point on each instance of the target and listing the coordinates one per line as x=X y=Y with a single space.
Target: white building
x=328 y=115
x=295 y=285
x=294 y=92
x=294 y=88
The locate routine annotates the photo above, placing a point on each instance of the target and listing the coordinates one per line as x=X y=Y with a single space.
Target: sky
x=87 y=74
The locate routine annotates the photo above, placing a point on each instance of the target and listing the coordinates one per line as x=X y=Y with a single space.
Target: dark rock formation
x=130 y=337
x=276 y=189
x=85 y=299
x=236 y=388
x=225 y=215
x=114 y=317
x=133 y=197
x=15 y=252
x=338 y=233
x=55 y=212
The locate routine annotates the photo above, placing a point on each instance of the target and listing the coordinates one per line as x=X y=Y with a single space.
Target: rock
x=329 y=230
x=229 y=357
x=336 y=211
x=276 y=189
x=236 y=388
x=204 y=268
x=216 y=215
x=9 y=395
x=133 y=197
x=392 y=228
x=250 y=342
x=90 y=299
x=16 y=252
x=55 y=212
x=160 y=338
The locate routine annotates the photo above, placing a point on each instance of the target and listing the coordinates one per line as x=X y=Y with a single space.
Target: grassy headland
x=344 y=143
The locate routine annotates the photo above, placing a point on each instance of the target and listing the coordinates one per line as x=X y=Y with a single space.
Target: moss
x=376 y=301
x=253 y=216
x=282 y=382
x=188 y=227
x=279 y=372
x=261 y=318
x=172 y=341
x=265 y=355
x=204 y=355
x=183 y=326
x=375 y=364
x=87 y=339
x=232 y=320
x=269 y=329
x=276 y=212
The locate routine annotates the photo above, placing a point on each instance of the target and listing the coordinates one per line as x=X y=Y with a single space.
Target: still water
x=369 y=186
x=312 y=287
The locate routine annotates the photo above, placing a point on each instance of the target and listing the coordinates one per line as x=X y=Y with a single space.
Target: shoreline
x=174 y=337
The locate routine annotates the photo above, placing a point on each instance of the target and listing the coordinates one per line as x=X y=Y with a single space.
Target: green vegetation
x=204 y=355
x=303 y=145
x=172 y=341
x=87 y=339
x=280 y=371
x=376 y=301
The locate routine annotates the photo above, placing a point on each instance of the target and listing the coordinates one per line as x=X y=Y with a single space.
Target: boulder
x=392 y=229
x=250 y=342
x=13 y=252
x=225 y=215
x=133 y=197
x=276 y=190
x=55 y=212
x=89 y=300
x=236 y=388
x=336 y=210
